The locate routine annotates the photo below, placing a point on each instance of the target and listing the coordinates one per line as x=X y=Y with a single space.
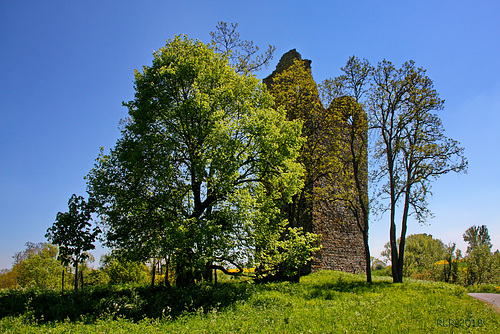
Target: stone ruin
x=341 y=238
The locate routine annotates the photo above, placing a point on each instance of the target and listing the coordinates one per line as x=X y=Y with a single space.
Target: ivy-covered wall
x=342 y=240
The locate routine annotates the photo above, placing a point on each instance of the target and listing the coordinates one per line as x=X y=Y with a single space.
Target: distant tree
x=495 y=268
x=72 y=233
x=35 y=267
x=377 y=264
x=34 y=249
x=242 y=54
x=411 y=150
x=40 y=271
x=452 y=256
x=198 y=165
x=477 y=236
x=422 y=252
x=8 y=278
x=479 y=258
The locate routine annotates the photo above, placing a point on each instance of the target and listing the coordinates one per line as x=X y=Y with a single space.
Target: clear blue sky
x=66 y=67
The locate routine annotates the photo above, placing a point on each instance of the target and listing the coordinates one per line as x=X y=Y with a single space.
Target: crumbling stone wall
x=342 y=240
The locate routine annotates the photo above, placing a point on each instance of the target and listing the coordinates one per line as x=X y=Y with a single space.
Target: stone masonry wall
x=342 y=240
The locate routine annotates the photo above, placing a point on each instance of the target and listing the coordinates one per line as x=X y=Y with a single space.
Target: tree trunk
x=392 y=233
x=76 y=276
x=62 y=282
x=167 y=267
x=402 y=238
x=394 y=254
x=208 y=274
x=153 y=273
x=367 y=257
x=184 y=269
x=363 y=202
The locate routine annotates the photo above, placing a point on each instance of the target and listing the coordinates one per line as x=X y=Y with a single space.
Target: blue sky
x=66 y=67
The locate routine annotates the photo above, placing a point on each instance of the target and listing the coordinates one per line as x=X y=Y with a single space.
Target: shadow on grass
x=337 y=284
x=133 y=303
x=328 y=290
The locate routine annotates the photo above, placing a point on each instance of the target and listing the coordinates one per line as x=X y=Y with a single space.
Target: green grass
x=325 y=302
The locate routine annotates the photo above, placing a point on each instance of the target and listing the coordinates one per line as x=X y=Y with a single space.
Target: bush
x=120 y=301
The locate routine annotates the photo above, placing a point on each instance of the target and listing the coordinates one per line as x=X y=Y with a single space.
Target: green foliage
x=425 y=257
x=297 y=248
x=121 y=271
x=111 y=302
x=325 y=302
x=482 y=265
x=34 y=268
x=40 y=273
x=96 y=277
x=429 y=259
x=422 y=251
x=199 y=162
x=288 y=254
x=8 y=278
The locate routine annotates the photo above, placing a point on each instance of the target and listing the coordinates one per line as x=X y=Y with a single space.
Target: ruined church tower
x=341 y=238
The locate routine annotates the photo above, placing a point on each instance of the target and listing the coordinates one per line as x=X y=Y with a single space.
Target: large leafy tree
x=200 y=160
x=411 y=150
x=73 y=234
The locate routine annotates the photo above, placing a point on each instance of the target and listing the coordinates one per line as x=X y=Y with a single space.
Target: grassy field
x=325 y=302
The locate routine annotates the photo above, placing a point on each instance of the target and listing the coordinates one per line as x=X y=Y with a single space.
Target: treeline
x=37 y=267
x=428 y=258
